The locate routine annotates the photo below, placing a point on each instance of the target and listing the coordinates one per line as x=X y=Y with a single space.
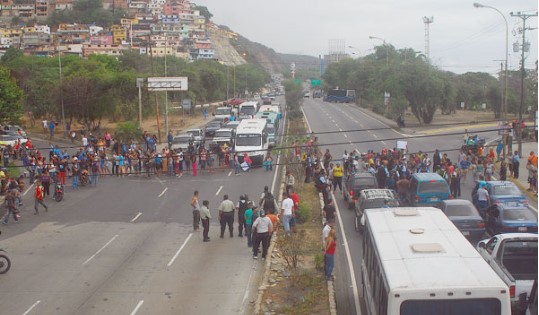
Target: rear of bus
x=416 y=262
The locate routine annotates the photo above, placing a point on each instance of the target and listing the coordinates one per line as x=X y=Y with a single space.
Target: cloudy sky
x=462 y=38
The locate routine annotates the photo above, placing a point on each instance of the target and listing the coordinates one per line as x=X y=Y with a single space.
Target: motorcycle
x=58 y=192
x=5 y=262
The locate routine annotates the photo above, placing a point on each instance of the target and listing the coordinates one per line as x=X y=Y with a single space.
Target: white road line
x=139 y=304
x=219 y=190
x=136 y=217
x=229 y=173
x=307 y=120
x=384 y=143
x=345 y=135
x=349 y=258
x=99 y=251
x=179 y=250
x=340 y=129
x=163 y=192
x=374 y=135
x=31 y=308
x=28 y=190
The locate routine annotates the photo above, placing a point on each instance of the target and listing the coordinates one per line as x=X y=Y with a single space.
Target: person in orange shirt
x=274 y=220
x=533 y=159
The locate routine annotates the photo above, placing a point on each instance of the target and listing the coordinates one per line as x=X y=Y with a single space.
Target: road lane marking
x=374 y=135
x=340 y=129
x=348 y=257
x=384 y=143
x=179 y=250
x=139 y=304
x=99 y=251
x=229 y=173
x=28 y=189
x=31 y=308
x=345 y=135
x=309 y=129
x=163 y=192
x=219 y=190
x=136 y=217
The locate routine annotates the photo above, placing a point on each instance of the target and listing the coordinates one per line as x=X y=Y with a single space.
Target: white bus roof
x=251 y=126
x=420 y=249
x=251 y=103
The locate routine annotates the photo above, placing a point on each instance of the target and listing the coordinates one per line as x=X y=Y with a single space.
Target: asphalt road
x=324 y=117
x=127 y=246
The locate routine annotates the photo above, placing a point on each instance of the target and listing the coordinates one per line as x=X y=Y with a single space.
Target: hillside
x=235 y=49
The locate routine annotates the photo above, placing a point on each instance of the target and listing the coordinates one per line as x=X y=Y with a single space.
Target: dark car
x=504 y=192
x=212 y=127
x=502 y=218
x=354 y=184
x=465 y=217
x=373 y=198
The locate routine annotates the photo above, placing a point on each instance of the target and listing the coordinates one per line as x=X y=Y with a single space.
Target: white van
x=248 y=109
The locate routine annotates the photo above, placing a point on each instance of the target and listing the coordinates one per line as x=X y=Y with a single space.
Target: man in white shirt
x=263 y=228
x=286 y=212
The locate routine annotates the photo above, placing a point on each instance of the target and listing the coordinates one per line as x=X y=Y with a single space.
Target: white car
x=10 y=140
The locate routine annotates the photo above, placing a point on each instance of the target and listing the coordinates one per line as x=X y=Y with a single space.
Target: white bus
x=248 y=109
x=416 y=262
x=252 y=137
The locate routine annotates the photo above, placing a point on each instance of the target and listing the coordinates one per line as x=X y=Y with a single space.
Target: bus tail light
x=512 y=291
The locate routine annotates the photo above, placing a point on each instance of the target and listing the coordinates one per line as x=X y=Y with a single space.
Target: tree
x=10 y=98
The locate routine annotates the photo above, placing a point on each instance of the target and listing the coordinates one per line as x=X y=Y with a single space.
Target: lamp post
x=62 y=92
x=384 y=44
x=504 y=101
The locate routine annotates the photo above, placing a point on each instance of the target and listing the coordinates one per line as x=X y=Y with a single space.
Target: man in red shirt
x=39 y=194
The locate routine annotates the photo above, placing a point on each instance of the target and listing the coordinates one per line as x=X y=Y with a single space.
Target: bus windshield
x=490 y=306
x=248 y=140
x=222 y=111
x=248 y=110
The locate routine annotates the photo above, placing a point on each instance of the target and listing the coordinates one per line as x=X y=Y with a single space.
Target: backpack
x=269 y=202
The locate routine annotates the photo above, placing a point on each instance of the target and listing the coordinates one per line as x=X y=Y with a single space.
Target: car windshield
x=460 y=210
x=214 y=125
x=379 y=203
x=223 y=134
x=506 y=190
x=519 y=214
x=248 y=140
x=182 y=139
x=433 y=187
x=270 y=130
x=222 y=111
x=195 y=133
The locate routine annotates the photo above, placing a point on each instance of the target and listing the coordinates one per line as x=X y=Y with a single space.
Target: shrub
x=303 y=214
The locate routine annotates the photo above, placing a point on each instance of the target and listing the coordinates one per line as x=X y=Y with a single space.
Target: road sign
x=315 y=82
x=167 y=84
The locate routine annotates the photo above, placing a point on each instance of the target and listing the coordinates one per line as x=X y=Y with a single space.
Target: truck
x=513 y=256
x=340 y=96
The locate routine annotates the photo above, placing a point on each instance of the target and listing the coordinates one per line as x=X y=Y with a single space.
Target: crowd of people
x=257 y=220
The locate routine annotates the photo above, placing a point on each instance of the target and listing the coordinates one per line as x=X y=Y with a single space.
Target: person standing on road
x=196 y=210
x=226 y=215
x=205 y=217
x=338 y=173
x=483 y=198
x=263 y=228
x=516 y=164
x=286 y=212
x=329 y=254
x=243 y=204
x=38 y=195
x=11 y=207
x=248 y=216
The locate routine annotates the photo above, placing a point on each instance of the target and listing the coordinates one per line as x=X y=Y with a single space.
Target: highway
x=127 y=246
x=324 y=117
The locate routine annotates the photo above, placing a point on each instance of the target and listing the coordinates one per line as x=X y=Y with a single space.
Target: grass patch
x=13 y=170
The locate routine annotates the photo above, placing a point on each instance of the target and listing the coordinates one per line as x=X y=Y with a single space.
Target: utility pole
x=524 y=17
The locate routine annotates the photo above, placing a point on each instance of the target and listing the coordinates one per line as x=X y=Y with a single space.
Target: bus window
x=485 y=306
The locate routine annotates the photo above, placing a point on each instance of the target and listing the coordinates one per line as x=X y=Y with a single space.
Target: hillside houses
x=154 y=27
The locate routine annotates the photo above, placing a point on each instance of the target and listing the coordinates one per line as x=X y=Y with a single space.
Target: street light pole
x=62 y=93
x=385 y=46
x=504 y=100
x=166 y=92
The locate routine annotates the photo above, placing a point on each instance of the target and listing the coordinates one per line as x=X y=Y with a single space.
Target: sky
x=462 y=38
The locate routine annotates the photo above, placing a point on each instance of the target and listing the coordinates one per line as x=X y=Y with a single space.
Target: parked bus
x=252 y=137
x=416 y=262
